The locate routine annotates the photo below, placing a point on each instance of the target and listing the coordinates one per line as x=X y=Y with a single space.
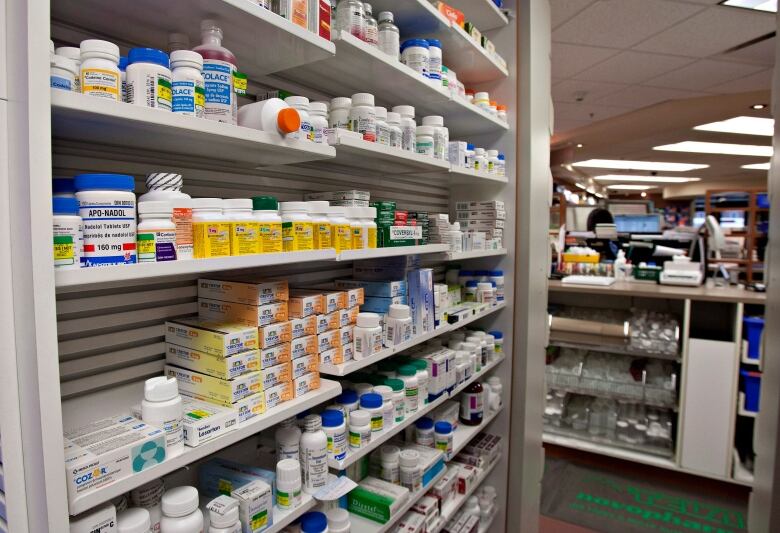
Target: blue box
x=384 y=289
x=752 y=385
x=754 y=329
x=420 y=295
x=376 y=304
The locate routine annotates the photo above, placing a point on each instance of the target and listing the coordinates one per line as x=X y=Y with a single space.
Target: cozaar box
x=215 y=390
x=220 y=367
x=222 y=340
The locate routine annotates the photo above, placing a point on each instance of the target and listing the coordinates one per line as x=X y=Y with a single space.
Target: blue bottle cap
x=501 y=157
x=414 y=42
x=469 y=146
x=347 y=397
x=148 y=55
x=371 y=400
x=314 y=522
x=495 y=273
x=123 y=62
x=434 y=42
x=62 y=185
x=472 y=283
x=65 y=206
x=497 y=334
x=332 y=418
x=466 y=272
x=424 y=423
x=96 y=182
x=483 y=272
x=442 y=427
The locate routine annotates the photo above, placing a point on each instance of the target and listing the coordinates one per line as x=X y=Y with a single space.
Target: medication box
x=109 y=450
x=481 y=225
x=306 y=383
x=497 y=205
x=386 y=289
x=248 y=315
x=222 y=340
x=275 y=355
x=221 y=367
x=215 y=390
x=276 y=374
x=275 y=334
x=352 y=194
x=99 y=520
x=332 y=357
x=303 y=347
x=304 y=365
x=428 y=508
x=481 y=214
x=328 y=322
x=328 y=340
x=347 y=335
x=202 y=421
x=244 y=292
x=421 y=300
x=254 y=494
x=250 y=407
x=306 y=303
x=413 y=522
x=381 y=305
x=376 y=500
x=279 y=394
x=302 y=327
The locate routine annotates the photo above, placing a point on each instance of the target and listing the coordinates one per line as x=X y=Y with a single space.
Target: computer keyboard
x=603 y=281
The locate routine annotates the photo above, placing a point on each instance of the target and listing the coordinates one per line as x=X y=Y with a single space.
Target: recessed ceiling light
x=579 y=145
x=757 y=166
x=717 y=148
x=598 y=195
x=645 y=179
x=644 y=194
x=742 y=125
x=769 y=6
x=638 y=165
x=758 y=106
x=629 y=187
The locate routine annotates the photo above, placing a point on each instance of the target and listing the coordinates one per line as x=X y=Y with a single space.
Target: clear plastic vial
x=99 y=74
x=156 y=232
x=318 y=115
x=350 y=17
x=408 y=127
x=301 y=104
x=149 y=78
x=68 y=231
x=389 y=35
x=189 y=93
x=362 y=116
x=382 y=128
x=371 y=33
x=394 y=124
x=359 y=429
x=181 y=513
x=288 y=440
x=314 y=455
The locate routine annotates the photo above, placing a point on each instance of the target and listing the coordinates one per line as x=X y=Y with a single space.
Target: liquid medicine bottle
x=218 y=66
x=389 y=35
x=371 y=32
x=350 y=18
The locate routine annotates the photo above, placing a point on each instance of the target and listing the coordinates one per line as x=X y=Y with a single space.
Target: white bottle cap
x=490 y=339
x=386 y=15
x=186 y=58
x=223 y=511
x=341 y=102
x=160 y=388
x=207 y=203
x=318 y=107
x=477 y=333
x=312 y=423
x=381 y=112
x=160 y=207
x=389 y=453
x=359 y=418
x=133 y=520
x=353 y=212
x=288 y=471
x=455 y=226
x=494 y=153
x=433 y=120
x=294 y=206
x=336 y=210
x=393 y=118
x=384 y=391
x=425 y=130
x=398 y=311
x=319 y=206
x=495 y=380
x=404 y=110
x=472 y=501
x=362 y=99
x=454 y=344
x=98 y=48
x=180 y=501
x=297 y=101
x=237 y=203
x=65 y=63
x=164 y=181
x=369 y=212
x=367 y=320
x=71 y=52
x=410 y=458
x=368 y=9
x=479 y=151
x=338 y=519
x=484 y=286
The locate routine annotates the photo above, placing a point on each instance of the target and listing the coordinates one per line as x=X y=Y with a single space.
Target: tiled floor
x=550 y=525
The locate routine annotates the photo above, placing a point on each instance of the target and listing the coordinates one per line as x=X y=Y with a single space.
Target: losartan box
x=109 y=450
x=222 y=340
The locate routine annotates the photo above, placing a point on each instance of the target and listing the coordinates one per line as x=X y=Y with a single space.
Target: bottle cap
x=484 y=285
x=409 y=458
x=442 y=427
x=384 y=391
x=367 y=9
x=237 y=203
x=65 y=63
x=380 y=112
x=96 y=182
x=414 y=42
x=210 y=26
x=160 y=389
x=314 y=522
x=407 y=370
x=98 y=47
x=501 y=107
x=501 y=157
x=495 y=273
x=332 y=418
x=479 y=151
x=398 y=311
x=223 y=511
x=336 y=210
x=160 y=207
x=454 y=344
x=389 y=453
x=341 y=102
x=207 y=203
x=148 y=55
x=433 y=120
x=288 y=120
x=318 y=107
x=71 y=52
x=472 y=283
x=470 y=146
x=492 y=153
x=180 y=501
x=338 y=519
x=497 y=334
x=362 y=387
x=288 y=470
x=419 y=364
x=63 y=185
x=288 y=422
x=134 y=520
x=371 y=400
x=424 y=423
x=367 y=320
x=359 y=99
x=495 y=380
x=425 y=130
x=369 y=212
x=404 y=110
x=347 y=397
x=186 y=58
x=393 y=118
x=265 y=203
x=65 y=206
x=312 y=423
x=386 y=16
x=396 y=384
x=294 y=206
x=164 y=181
x=359 y=418
x=297 y=101
x=319 y=206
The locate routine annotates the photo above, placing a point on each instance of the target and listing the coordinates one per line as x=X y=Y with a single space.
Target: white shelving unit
x=485 y=14
x=475 y=254
x=454 y=505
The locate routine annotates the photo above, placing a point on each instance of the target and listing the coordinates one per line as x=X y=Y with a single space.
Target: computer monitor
x=732 y=219
x=638 y=223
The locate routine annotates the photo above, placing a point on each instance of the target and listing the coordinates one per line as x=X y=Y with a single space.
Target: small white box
x=100 y=520
x=202 y=421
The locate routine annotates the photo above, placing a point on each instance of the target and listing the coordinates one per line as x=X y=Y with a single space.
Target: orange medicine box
x=274 y=375
x=347 y=335
x=303 y=365
x=306 y=383
x=454 y=15
x=278 y=394
x=303 y=346
x=302 y=327
x=305 y=303
x=328 y=322
x=332 y=357
x=348 y=351
x=353 y=297
x=275 y=334
x=328 y=340
x=251 y=292
x=275 y=355
x=249 y=315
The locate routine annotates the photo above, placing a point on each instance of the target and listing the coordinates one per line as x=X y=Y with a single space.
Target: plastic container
x=499 y=346
x=497 y=278
x=272 y=116
x=441 y=136
x=399 y=398
x=501 y=170
x=752 y=385
x=350 y=18
x=482 y=99
x=167 y=186
x=338 y=116
x=297 y=226
x=223 y=513
x=480 y=159
x=68 y=232
x=341 y=229
x=485 y=293
x=347 y=402
x=362 y=116
x=244 y=237
x=149 y=78
x=322 y=226
x=391 y=466
x=410 y=474
x=219 y=63
x=762 y=200
x=398 y=325
x=754 y=330
x=288 y=483
x=288 y=440
x=415 y=54
x=501 y=112
x=424 y=433
x=422 y=379
x=394 y=124
x=338 y=521
x=314 y=522
x=408 y=374
x=388 y=410
x=156 y=232
x=301 y=105
x=99 y=73
x=389 y=35
x=314 y=455
x=133 y=520
x=318 y=115
x=372 y=403
x=162 y=407
x=181 y=513
x=382 y=127
x=471 y=405
x=408 y=127
x=434 y=60
x=359 y=429
x=371 y=31
x=424 y=141
x=189 y=93
x=368 y=335
x=336 y=431
x=367 y=220
x=63 y=73
x=265 y=210
x=492 y=162
x=497 y=391
x=74 y=54
x=357 y=228
x=443 y=439
x=470 y=291
x=210 y=230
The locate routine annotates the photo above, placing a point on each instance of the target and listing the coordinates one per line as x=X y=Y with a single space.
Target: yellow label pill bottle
x=359 y=238
x=210 y=230
x=244 y=234
x=297 y=226
x=322 y=230
x=341 y=230
x=265 y=209
x=368 y=219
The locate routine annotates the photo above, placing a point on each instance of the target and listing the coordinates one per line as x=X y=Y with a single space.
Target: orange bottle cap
x=288 y=120
x=501 y=107
x=493 y=103
x=469 y=91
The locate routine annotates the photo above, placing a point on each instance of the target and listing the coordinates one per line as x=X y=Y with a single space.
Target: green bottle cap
x=395 y=384
x=265 y=203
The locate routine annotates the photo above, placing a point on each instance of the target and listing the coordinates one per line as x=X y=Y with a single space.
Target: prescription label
x=358 y=238
x=372 y=237
x=156 y=245
x=182 y=217
x=270 y=237
x=342 y=237
x=244 y=238
x=101 y=83
x=211 y=239
x=109 y=232
x=297 y=236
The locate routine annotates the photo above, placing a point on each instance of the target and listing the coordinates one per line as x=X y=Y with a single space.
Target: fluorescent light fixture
x=769 y=6
x=629 y=187
x=638 y=165
x=717 y=148
x=757 y=166
x=644 y=179
x=580 y=185
x=742 y=125
x=598 y=195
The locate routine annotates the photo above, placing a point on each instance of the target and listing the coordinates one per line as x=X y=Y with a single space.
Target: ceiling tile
x=710 y=32
x=632 y=67
x=760 y=81
x=761 y=53
x=572 y=91
x=639 y=96
x=569 y=59
x=562 y=124
x=622 y=23
x=563 y=10
x=703 y=74
x=585 y=111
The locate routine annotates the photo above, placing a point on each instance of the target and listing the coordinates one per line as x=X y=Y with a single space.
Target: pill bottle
x=359 y=429
x=74 y=54
x=210 y=230
x=471 y=405
x=314 y=454
x=415 y=54
x=408 y=374
x=68 y=232
x=63 y=73
x=223 y=515
x=297 y=227
x=350 y=18
x=485 y=293
x=288 y=440
x=244 y=235
x=497 y=277
x=445 y=76
x=273 y=116
x=133 y=520
x=123 y=62
x=265 y=210
x=149 y=78
x=156 y=232
x=336 y=432
x=301 y=105
x=367 y=220
x=497 y=390
x=368 y=335
x=391 y=467
x=389 y=35
x=424 y=141
x=399 y=325
x=362 y=388
x=338 y=116
x=288 y=483
x=382 y=127
x=434 y=59
x=501 y=112
x=394 y=125
x=480 y=159
x=162 y=407
x=423 y=432
x=107 y=209
x=470 y=156
x=399 y=398
x=371 y=402
x=423 y=378
x=322 y=226
x=314 y=522
x=167 y=186
x=362 y=117
x=181 y=513
x=470 y=292
x=99 y=74
x=490 y=348
x=501 y=166
x=346 y=402
x=410 y=472
x=371 y=32
x=63 y=188
x=472 y=507
x=499 y=341
x=441 y=136
x=189 y=95
x=456 y=236
x=357 y=227
x=482 y=99
x=318 y=116
x=149 y=496
x=338 y=520
x=408 y=127
x=442 y=435
x=219 y=63
x=388 y=410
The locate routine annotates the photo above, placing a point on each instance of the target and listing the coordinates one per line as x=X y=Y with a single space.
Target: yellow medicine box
x=215 y=390
x=303 y=346
x=328 y=340
x=221 y=339
x=304 y=365
x=249 y=315
x=332 y=357
x=250 y=292
x=220 y=367
x=250 y=407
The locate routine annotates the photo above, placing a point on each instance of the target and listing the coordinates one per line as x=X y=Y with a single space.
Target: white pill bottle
x=149 y=78
x=223 y=515
x=99 y=75
x=68 y=232
x=314 y=454
x=272 y=116
x=181 y=513
x=167 y=186
x=162 y=407
x=189 y=93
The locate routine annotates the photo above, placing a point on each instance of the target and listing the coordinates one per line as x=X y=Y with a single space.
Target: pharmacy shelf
x=741 y=410
x=464 y=433
x=608 y=450
x=741 y=474
x=618 y=349
x=453 y=506
x=474 y=254
x=89 y=277
x=467 y=176
x=364 y=525
x=464 y=118
x=262 y=41
x=117 y=127
x=484 y=528
x=285 y=517
x=344 y=369
x=477 y=375
x=646 y=449
x=327 y=391
x=484 y=14
x=392 y=251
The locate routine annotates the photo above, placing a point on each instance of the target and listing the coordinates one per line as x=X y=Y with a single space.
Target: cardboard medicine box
x=248 y=315
x=222 y=340
x=274 y=334
x=301 y=327
x=215 y=390
x=306 y=303
x=220 y=367
x=244 y=292
x=275 y=355
x=306 y=383
x=303 y=347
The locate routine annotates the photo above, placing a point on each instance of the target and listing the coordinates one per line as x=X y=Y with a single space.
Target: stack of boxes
x=350 y=198
x=397 y=227
x=442 y=232
x=482 y=224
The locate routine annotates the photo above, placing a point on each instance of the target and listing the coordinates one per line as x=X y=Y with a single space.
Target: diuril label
x=109 y=232
x=211 y=239
x=156 y=245
x=358 y=240
x=342 y=237
x=244 y=238
x=372 y=237
x=101 y=83
x=63 y=251
x=297 y=236
x=270 y=237
x=322 y=236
